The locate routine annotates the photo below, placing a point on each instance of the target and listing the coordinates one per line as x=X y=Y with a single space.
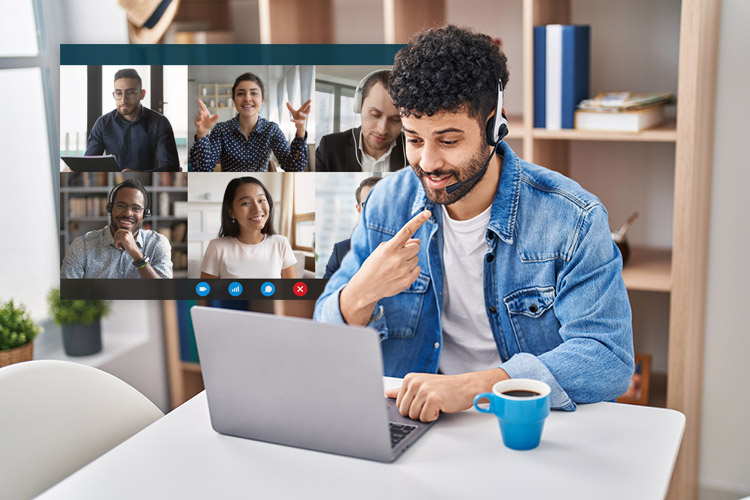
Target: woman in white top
x=247 y=246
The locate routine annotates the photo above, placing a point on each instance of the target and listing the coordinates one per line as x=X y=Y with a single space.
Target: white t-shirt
x=228 y=257
x=468 y=344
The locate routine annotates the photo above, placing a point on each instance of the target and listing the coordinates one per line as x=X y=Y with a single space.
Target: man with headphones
x=378 y=144
x=474 y=265
x=121 y=249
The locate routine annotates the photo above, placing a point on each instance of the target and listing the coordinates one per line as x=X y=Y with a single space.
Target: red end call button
x=300 y=289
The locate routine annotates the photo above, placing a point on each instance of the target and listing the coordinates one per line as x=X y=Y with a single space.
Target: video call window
x=212 y=111
x=85 y=210
x=165 y=92
x=210 y=98
x=248 y=225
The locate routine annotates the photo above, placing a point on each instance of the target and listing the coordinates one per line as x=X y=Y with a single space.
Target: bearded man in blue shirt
x=139 y=138
x=474 y=265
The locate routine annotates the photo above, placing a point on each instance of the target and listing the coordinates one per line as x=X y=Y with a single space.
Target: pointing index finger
x=406 y=232
x=202 y=105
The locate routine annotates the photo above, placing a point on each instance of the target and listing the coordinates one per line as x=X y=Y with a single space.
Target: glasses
x=362 y=204
x=121 y=207
x=129 y=94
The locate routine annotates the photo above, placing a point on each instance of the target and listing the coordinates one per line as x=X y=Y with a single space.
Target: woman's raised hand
x=204 y=121
x=299 y=116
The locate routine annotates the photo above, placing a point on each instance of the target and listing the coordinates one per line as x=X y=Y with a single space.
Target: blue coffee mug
x=521 y=406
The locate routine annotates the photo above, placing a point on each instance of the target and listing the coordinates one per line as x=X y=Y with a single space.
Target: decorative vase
x=17 y=354
x=82 y=340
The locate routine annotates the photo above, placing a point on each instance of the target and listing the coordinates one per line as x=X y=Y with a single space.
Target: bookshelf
x=679 y=271
x=83 y=200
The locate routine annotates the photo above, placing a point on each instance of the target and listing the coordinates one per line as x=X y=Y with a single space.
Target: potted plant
x=17 y=332
x=80 y=321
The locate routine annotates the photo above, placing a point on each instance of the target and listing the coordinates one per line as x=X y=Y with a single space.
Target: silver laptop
x=299 y=383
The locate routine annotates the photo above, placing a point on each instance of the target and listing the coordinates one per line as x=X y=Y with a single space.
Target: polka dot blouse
x=227 y=144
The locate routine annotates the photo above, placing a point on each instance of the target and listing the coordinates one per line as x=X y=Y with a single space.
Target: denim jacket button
x=437 y=345
x=490 y=258
x=533 y=308
x=493 y=309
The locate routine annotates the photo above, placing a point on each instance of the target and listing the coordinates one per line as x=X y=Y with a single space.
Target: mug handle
x=484 y=395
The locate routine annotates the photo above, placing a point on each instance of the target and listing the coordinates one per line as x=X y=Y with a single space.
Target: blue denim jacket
x=553 y=288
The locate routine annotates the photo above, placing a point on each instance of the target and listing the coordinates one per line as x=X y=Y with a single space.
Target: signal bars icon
x=235 y=289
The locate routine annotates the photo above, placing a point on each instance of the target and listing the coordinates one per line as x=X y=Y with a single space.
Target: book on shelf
x=620 y=121
x=178 y=232
x=625 y=101
x=562 y=55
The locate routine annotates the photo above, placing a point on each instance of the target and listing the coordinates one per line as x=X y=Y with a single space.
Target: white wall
x=725 y=443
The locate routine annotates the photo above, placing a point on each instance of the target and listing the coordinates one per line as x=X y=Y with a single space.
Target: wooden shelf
x=649 y=269
x=666 y=132
x=191 y=367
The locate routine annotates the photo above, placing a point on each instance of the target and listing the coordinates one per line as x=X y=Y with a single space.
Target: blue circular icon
x=267 y=289
x=202 y=288
x=235 y=289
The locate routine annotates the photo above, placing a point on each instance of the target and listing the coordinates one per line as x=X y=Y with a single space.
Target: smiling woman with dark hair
x=247 y=246
x=244 y=143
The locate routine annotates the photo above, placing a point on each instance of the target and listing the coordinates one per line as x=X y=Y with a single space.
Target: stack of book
x=562 y=55
x=622 y=111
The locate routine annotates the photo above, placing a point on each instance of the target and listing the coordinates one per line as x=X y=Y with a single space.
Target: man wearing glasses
x=140 y=138
x=121 y=249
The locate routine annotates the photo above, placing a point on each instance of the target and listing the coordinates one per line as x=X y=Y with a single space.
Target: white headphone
x=357 y=104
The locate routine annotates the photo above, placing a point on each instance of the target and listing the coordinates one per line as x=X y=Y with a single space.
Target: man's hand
x=299 y=116
x=422 y=396
x=124 y=239
x=390 y=269
x=204 y=121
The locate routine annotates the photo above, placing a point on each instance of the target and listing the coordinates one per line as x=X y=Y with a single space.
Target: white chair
x=56 y=417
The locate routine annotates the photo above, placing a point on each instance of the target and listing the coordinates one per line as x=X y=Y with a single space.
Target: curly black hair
x=448 y=69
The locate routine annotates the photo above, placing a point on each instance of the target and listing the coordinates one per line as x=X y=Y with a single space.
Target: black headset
x=497 y=129
x=139 y=187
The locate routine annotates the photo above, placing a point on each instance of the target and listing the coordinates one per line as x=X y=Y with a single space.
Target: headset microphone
x=497 y=129
x=450 y=189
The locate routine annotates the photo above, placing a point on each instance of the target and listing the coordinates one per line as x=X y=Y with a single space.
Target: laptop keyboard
x=399 y=432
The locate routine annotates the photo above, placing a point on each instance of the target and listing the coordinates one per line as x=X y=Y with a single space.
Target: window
x=335 y=102
x=27 y=184
x=303 y=214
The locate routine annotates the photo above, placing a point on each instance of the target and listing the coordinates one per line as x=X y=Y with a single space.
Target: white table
x=604 y=450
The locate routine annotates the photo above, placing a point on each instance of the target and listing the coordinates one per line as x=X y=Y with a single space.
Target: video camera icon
x=202 y=288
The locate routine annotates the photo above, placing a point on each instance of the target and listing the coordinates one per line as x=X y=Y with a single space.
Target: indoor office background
x=166 y=93
x=293 y=197
x=293 y=84
x=635 y=47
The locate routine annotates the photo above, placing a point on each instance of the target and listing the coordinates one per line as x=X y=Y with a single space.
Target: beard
x=466 y=171
x=136 y=225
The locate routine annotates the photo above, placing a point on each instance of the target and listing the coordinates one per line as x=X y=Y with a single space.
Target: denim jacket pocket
x=402 y=311
x=532 y=317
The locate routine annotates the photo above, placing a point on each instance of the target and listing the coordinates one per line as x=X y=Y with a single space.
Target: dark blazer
x=340 y=250
x=336 y=153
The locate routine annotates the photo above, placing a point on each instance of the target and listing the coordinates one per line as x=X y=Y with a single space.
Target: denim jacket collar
x=505 y=203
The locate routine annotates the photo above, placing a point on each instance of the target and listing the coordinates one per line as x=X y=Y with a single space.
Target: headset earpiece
x=113 y=193
x=497 y=126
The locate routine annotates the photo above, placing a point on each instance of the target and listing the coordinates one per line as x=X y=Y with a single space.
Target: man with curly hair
x=474 y=265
